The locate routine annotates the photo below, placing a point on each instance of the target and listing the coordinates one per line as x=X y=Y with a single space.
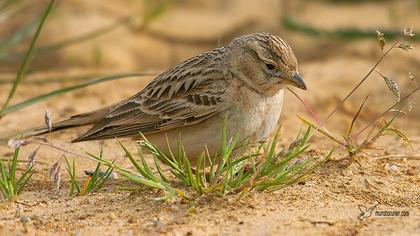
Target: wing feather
x=185 y=95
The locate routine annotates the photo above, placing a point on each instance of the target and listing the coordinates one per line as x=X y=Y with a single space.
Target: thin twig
x=397 y=156
x=340 y=104
x=385 y=112
x=64 y=150
x=313 y=114
x=355 y=118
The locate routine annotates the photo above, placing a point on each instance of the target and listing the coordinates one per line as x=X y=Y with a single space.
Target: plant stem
x=60 y=91
x=306 y=106
x=28 y=56
x=386 y=111
x=339 y=105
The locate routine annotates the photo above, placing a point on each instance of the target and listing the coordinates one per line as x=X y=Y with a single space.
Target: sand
x=327 y=203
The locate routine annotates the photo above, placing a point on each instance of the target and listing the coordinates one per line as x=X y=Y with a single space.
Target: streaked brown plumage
x=194 y=96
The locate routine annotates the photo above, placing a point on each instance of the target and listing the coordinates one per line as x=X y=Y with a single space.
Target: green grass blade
x=12 y=167
x=71 y=170
x=68 y=169
x=238 y=161
x=28 y=56
x=134 y=161
x=107 y=163
x=143 y=181
x=200 y=175
x=95 y=174
x=152 y=183
x=172 y=162
x=269 y=162
x=93 y=178
x=4 y=175
x=76 y=186
x=224 y=151
x=190 y=176
x=54 y=79
x=143 y=169
x=4 y=182
x=57 y=92
x=159 y=169
x=3 y=188
x=145 y=166
x=21 y=181
x=212 y=171
x=101 y=181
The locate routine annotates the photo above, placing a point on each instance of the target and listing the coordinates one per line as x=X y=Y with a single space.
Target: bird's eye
x=270 y=66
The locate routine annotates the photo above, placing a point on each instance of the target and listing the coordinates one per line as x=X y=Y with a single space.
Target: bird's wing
x=187 y=94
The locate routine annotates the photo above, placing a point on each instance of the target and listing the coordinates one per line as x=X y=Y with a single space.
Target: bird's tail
x=74 y=121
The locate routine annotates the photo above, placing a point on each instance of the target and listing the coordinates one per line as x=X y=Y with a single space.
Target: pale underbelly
x=256 y=122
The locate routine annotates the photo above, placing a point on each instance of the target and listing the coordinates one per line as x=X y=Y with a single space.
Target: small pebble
x=113 y=175
x=391 y=167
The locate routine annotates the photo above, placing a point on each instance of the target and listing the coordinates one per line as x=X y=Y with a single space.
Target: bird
x=242 y=82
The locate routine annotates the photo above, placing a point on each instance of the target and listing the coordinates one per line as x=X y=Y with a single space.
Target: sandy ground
x=327 y=203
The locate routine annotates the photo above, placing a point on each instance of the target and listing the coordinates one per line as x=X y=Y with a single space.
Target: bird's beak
x=297 y=81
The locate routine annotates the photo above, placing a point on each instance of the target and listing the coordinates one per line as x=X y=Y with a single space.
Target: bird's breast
x=254 y=115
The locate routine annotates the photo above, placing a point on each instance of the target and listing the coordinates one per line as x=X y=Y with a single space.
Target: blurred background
x=336 y=44
x=334 y=40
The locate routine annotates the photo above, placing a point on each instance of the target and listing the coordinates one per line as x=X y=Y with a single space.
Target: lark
x=243 y=81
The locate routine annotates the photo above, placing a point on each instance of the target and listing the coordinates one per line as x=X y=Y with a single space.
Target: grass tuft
x=94 y=181
x=10 y=185
x=231 y=171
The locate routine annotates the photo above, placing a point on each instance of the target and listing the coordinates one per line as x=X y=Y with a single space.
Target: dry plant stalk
x=55 y=174
x=350 y=140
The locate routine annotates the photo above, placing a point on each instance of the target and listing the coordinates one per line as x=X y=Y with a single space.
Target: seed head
x=47 y=120
x=405 y=46
x=55 y=174
x=393 y=86
x=381 y=39
x=32 y=156
x=16 y=143
x=409 y=32
x=410 y=104
x=411 y=76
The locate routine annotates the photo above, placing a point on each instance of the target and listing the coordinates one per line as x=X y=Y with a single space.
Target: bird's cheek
x=281 y=77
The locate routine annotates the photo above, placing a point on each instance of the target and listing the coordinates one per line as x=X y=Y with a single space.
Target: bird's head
x=264 y=62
